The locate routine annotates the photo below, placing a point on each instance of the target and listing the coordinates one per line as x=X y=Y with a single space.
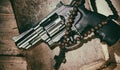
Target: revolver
x=52 y=28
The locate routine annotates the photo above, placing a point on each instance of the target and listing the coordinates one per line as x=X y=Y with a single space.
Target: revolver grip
x=109 y=33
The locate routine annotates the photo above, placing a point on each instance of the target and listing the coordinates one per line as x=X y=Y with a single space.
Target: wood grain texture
x=12 y=63
x=9 y=54
x=27 y=12
x=8 y=29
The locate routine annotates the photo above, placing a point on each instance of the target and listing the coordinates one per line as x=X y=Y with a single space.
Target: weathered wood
x=89 y=57
x=9 y=59
x=30 y=12
x=41 y=57
x=8 y=29
x=12 y=63
x=27 y=13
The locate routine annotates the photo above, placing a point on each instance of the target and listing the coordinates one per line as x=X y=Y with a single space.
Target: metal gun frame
x=50 y=29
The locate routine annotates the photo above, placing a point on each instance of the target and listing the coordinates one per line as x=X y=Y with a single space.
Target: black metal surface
x=109 y=33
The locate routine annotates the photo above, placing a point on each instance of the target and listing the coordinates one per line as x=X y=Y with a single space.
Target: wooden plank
x=5 y=7
x=9 y=59
x=34 y=10
x=12 y=63
x=88 y=56
x=30 y=12
x=8 y=29
x=41 y=57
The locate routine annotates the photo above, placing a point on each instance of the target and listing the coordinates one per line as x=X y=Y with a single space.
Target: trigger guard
x=73 y=47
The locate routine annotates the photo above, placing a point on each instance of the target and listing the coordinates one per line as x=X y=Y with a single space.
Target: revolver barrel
x=49 y=31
